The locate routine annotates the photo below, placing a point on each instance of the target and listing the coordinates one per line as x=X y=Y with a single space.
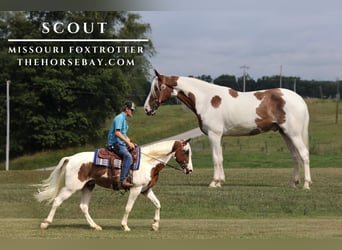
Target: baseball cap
x=130 y=105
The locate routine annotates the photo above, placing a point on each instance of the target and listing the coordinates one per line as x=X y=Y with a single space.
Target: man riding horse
x=119 y=142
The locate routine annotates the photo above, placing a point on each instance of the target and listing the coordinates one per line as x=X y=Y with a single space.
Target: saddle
x=106 y=157
x=113 y=160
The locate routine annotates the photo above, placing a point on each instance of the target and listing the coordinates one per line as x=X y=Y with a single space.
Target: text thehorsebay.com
x=75 y=52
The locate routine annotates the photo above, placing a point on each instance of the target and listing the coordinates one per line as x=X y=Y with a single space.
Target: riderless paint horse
x=78 y=172
x=225 y=111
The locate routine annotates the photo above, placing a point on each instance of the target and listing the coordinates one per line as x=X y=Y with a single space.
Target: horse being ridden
x=225 y=111
x=78 y=172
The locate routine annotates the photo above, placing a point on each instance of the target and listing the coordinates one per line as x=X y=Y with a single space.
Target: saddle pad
x=100 y=161
x=136 y=165
x=105 y=162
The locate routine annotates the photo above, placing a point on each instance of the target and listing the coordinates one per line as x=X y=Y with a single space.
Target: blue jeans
x=127 y=161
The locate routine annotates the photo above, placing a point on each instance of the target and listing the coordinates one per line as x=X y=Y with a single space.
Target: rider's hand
x=130 y=145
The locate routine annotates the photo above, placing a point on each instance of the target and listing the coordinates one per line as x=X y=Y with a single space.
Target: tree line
x=305 y=88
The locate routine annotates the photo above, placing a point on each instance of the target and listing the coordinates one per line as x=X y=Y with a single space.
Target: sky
x=300 y=38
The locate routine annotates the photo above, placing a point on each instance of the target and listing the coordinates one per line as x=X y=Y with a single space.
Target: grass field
x=256 y=201
x=254 y=204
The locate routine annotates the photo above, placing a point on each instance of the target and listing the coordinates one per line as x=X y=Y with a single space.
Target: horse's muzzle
x=188 y=171
x=150 y=112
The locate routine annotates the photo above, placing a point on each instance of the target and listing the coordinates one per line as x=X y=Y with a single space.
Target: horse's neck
x=158 y=151
x=193 y=84
x=190 y=90
x=198 y=88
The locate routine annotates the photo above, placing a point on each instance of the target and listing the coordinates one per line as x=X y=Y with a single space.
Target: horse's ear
x=157 y=73
x=186 y=141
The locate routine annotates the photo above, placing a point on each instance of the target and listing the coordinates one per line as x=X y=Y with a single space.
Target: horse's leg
x=296 y=159
x=152 y=197
x=64 y=194
x=300 y=154
x=215 y=142
x=86 y=195
x=133 y=195
x=304 y=155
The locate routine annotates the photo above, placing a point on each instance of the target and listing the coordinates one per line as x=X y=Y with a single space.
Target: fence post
x=8 y=125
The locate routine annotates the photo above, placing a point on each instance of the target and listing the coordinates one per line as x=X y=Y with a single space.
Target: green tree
x=227 y=80
x=206 y=78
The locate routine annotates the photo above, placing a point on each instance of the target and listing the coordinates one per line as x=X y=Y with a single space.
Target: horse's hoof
x=155 y=227
x=125 y=228
x=307 y=185
x=295 y=183
x=44 y=225
x=98 y=228
x=215 y=184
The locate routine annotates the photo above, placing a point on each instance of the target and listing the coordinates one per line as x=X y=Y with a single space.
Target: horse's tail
x=49 y=188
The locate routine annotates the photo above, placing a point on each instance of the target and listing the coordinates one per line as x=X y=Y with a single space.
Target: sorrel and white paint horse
x=78 y=172
x=224 y=111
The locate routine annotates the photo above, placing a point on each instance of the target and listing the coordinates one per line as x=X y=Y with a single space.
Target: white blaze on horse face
x=162 y=88
x=152 y=94
x=181 y=152
x=189 y=166
x=147 y=106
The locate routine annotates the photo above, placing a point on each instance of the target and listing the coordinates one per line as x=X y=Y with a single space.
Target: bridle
x=156 y=97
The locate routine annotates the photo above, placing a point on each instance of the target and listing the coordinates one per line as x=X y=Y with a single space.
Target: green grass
x=184 y=229
x=253 y=204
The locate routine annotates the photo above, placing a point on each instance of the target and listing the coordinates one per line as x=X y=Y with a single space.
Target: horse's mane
x=159 y=148
x=154 y=87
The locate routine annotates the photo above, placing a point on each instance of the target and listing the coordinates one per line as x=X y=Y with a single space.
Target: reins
x=164 y=163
